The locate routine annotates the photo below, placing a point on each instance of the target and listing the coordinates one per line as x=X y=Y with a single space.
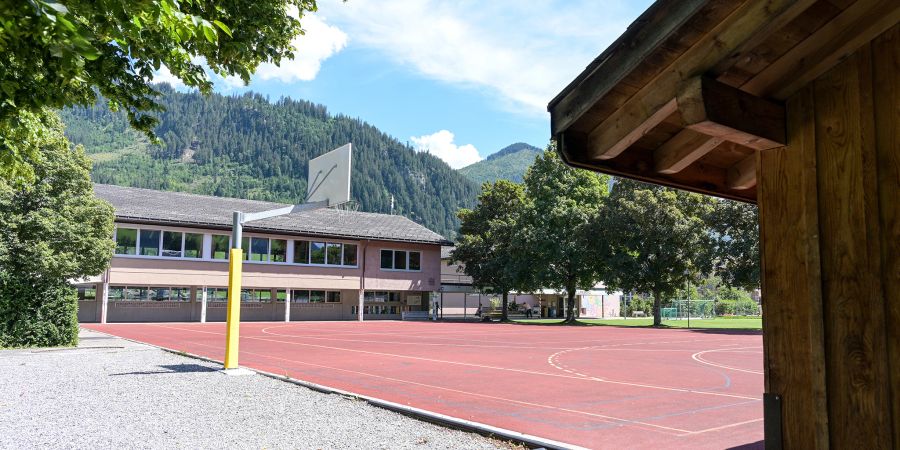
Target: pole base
x=240 y=371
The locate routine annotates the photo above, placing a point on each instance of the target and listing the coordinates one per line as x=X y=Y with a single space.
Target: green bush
x=37 y=316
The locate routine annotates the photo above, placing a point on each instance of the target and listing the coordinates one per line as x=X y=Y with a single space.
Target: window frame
x=394 y=259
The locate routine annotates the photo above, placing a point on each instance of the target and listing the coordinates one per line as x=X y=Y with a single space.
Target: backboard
x=329 y=177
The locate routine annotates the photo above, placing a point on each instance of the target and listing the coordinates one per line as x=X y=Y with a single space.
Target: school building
x=171 y=262
x=458 y=298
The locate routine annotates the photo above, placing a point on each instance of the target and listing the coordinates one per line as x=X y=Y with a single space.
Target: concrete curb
x=528 y=440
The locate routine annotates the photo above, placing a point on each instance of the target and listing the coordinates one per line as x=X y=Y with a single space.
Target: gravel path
x=112 y=393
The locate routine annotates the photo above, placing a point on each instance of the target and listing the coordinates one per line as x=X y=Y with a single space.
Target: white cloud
x=522 y=53
x=320 y=42
x=441 y=144
x=164 y=75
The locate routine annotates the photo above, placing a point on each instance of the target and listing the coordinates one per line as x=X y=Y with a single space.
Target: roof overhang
x=694 y=89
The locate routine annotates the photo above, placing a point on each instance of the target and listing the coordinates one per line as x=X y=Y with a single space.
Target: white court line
x=731 y=425
x=697 y=357
x=603 y=418
x=393 y=355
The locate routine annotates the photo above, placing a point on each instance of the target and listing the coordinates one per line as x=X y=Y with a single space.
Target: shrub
x=42 y=316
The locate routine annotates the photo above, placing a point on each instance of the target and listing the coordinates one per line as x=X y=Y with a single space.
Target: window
x=135 y=293
x=126 y=241
x=301 y=252
x=87 y=294
x=259 y=249
x=333 y=297
x=381 y=296
x=280 y=295
x=387 y=259
x=300 y=296
x=245 y=247
x=172 y=241
x=116 y=293
x=333 y=253
x=256 y=295
x=401 y=260
x=217 y=294
x=279 y=250
x=349 y=254
x=317 y=253
x=317 y=296
x=182 y=294
x=150 y=242
x=220 y=244
x=193 y=245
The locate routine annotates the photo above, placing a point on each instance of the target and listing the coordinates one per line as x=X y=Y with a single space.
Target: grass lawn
x=736 y=323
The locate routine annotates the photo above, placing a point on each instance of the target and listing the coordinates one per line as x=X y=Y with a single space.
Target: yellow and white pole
x=233 y=320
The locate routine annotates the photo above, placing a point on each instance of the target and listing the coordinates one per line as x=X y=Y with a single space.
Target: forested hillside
x=510 y=163
x=248 y=147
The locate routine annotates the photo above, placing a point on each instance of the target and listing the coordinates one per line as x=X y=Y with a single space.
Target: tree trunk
x=504 y=315
x=570 y=305
x=657 y=316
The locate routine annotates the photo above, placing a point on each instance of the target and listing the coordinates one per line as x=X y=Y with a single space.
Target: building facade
x=171 y=262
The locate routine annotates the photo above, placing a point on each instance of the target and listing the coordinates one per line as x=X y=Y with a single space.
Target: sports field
x=589 y=386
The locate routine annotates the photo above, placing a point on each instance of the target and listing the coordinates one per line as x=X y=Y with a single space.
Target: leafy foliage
x=57 y=55
x=54 y=231
x=735 y=243
x=657 y=238
x=510 y=163
x=564 y=204
x=490 y=245
x=249 y=147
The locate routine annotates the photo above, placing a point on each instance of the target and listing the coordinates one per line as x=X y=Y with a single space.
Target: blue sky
x=461 y=79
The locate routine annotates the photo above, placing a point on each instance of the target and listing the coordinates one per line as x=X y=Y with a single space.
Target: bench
x=638 y=314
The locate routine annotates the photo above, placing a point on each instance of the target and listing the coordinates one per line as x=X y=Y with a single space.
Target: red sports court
x=588 y=386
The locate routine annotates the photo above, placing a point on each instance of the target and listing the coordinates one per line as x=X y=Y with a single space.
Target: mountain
x=246 y=146
x=510 y=163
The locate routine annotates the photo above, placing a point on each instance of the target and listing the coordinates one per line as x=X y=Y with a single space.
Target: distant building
x=170 y=262
x=459 y=298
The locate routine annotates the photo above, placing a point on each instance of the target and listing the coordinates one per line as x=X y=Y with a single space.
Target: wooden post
x=830 y=234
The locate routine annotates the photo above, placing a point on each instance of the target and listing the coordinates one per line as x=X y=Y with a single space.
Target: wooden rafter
x=683 y=149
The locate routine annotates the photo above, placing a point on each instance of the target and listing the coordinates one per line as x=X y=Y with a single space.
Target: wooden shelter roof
x=694 y=89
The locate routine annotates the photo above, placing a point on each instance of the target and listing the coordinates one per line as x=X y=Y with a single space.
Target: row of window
x=144 y=293
x=376 y=309
x=381 y=296
x=401 y=260
x=177 y=244
x=265 y=296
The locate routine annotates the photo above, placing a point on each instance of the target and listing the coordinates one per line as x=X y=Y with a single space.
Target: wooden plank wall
x=830 y=227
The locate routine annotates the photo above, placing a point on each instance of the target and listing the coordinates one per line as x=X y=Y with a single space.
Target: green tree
x=54 y=231
x=563 y=205
x=57 y=55
x=490 y=246
x=657 y=239
x=734 y=249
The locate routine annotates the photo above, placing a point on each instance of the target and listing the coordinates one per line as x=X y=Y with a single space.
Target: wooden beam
x=719 y=110
x=850 y=30
x=743 y=174
x=624 y=139
x=682 y=150
x=730 y=33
